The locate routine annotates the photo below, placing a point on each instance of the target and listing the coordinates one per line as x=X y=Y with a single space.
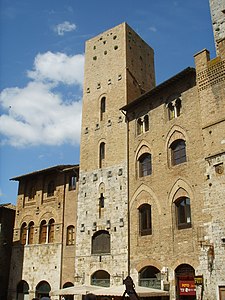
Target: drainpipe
x=128 y=197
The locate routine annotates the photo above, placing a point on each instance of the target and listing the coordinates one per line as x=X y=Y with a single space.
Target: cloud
x=64 y=27
x=37 y=114
x=153 y=29
x=58 y=67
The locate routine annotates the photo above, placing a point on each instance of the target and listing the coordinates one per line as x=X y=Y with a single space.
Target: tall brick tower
x=119 y=67
x=217 y=8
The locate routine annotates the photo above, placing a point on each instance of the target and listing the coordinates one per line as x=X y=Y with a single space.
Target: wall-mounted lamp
x=210 y=257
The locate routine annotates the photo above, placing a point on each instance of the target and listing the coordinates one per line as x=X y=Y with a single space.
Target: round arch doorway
x=185 y=284
x=22 y=290
x=42 y=290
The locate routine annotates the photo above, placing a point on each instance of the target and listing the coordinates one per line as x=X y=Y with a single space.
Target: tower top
x=217 y=8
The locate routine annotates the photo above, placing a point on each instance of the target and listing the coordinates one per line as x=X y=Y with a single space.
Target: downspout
x=128 y=197
x=62 y=241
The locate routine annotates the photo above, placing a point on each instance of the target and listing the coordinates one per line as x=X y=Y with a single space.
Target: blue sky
x=41 y=69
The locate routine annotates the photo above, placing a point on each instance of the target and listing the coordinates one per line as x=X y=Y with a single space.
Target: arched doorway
x=22 y=290
x=42 y=290
x=100 y=278
x=185 y=284
x=148 y=276
x=66 y=285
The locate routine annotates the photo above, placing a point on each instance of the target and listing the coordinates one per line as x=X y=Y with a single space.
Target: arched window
x=101 y=242
x=145 y=219
x=101 y=154
x=22 y=290
x=178 y=152
x=101 y=278
x=145 y=165
x=51 y=188
x=42 y=290
x=70 y=235
x=183 y=212
x=148 y=277
x=143 y=124
x=43 y=232
x=174 y=108
x=23 y=234
x=31 y=233
x=102 y=108
x=51 y=230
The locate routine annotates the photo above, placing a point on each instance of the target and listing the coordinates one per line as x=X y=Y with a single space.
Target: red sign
x=187 y=287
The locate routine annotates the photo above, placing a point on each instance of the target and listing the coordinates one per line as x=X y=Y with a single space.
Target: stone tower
x=217 y=8
x=119 y=67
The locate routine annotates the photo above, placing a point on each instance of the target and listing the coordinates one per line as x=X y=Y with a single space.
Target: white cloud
x=153 y=29
x=35 y=114
x=64 y=27
x=58 y=67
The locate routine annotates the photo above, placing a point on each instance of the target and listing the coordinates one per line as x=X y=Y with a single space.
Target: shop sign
x=187 y=288
x=199 y=280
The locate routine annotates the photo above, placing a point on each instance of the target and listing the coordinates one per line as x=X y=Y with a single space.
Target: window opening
x=72 y=182
x=70 y=235
x=23 y=234
x=51 y=230
x=145 y=165
x=43 y=232
x=145 y=220
x=101 y=278
x=51 y=189
x=102 y=108
x=178 y=152
x=101 y=242
x=31 y=233
x=148 y=277
x=183 y=211
x=101 y=154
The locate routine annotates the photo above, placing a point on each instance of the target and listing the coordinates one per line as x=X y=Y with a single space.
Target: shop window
x=183 y=212
x=31 y=233
x=51 y=231
x=101 y=154
x=145 y=220
x=101 y=242
x=70 y=235
x=23 y=234
x=145 y=165
x=43 y=232
x=51 y=188
x=178 y=152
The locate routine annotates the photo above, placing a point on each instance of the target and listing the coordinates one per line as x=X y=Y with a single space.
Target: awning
x=140 y=290
x=75 y=290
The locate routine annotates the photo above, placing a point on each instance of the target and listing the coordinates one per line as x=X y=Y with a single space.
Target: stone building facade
x=7 y=218
x=44 y=232
x=111 y=81
x=150 y=200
